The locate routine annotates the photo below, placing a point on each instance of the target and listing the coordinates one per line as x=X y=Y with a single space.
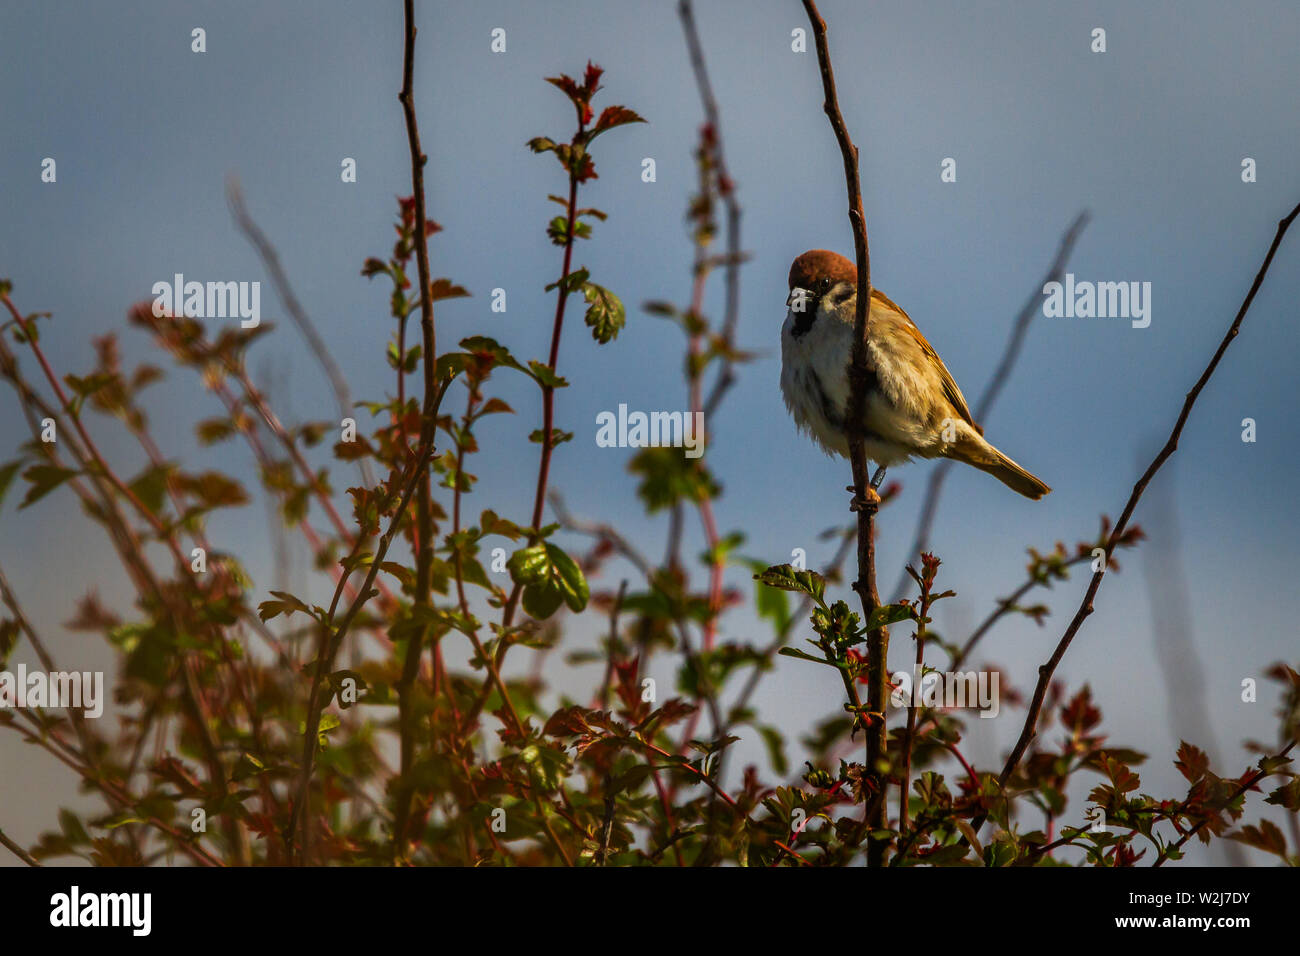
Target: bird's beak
x=798 y=295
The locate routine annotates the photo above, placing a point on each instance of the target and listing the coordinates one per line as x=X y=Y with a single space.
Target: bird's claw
x=870 y=499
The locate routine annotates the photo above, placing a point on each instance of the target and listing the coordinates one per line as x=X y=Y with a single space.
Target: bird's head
x=816 y=274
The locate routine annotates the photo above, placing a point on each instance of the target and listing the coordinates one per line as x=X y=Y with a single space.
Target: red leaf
x=586 y=170
x=612 y=116
x=1192 y=762
x=445 y=289
x=566 y=83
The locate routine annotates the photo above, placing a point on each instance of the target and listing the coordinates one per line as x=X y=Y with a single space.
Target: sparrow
x=913 y=406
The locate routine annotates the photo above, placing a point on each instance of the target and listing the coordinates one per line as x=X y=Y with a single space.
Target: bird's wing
x=950 y=389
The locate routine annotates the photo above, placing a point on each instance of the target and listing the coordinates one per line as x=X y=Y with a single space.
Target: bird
x=913 y=406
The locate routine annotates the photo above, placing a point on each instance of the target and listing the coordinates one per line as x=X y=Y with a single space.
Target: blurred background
x=1149 y=137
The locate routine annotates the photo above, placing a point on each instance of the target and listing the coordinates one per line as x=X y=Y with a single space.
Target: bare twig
x=1005 y=606
x=17 y=850
x=423 y=544
x=726 y=187
x=271 y=261
x=866 y=501
x=1046 y=671
x=548 y=417
x=192 y=696
x=930 y=505
x=909 y=735
x=419 y=465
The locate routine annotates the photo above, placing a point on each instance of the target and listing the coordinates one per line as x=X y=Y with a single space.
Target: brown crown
x=816 y=264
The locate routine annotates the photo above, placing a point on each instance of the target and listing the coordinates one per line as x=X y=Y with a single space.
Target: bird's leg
x=860 y=504
x=879 y=477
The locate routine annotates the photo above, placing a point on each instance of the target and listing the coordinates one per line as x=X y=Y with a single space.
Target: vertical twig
x=925 y=580
x=423 y=544
x=865 y=500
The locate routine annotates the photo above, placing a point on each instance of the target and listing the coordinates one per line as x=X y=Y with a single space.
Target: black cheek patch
x=804 y=320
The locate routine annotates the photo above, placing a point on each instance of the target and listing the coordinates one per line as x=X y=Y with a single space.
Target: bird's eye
x=824 y=284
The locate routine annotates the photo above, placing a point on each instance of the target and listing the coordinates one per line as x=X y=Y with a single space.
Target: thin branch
x=271 y=262
x=423 y=543
x=930 y=505
x=1005 y=606
x=17 y=850
x=909 y=735
x=727 y=189
x=324 y=661
x=1046 y=671
x=192 y=696
x=548 y=417
x=865 y=500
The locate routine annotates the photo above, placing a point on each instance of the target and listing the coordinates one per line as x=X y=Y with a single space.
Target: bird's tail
x=978 y=452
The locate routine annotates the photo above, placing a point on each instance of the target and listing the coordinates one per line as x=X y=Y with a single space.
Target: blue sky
x=1149 y=136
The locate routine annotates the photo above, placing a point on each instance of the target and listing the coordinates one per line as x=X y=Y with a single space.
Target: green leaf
x=484 y=347
x=492 y=523
x=770 y=603
x=44 y=479
x=805 y=656
x=549 y=578
x=249 y=766
x=87 y=387
x=212 y=430
x=662 y=309
x=558 y=437
x=569 y=577
x=328 y=722
x=888 y=614
x=558 y=231
x=605 y=313
x=541 y=144
x=668 y=476
x=775 y=744
x=7 y=472
x=571 y=282
x=72 y=827
x=541 y=601
x=786 y=577
x=8 y=639
x=528 y=565
x=545 y=375
x=150 y=486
